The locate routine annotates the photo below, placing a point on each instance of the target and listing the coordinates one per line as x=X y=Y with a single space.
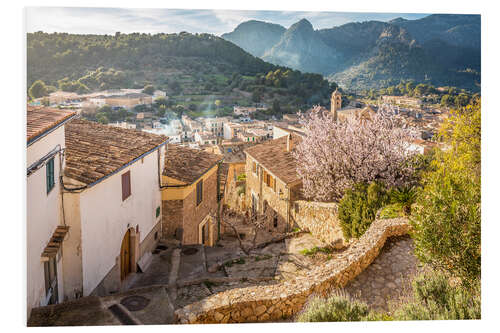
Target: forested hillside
x=193 y=68
x=437 y=49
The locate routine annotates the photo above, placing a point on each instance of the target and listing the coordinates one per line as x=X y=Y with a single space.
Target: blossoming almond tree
x=335 y=155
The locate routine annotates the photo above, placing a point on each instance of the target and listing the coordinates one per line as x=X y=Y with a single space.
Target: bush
x=436 y=299
x=391 y=211
x=404 y=197
x=447 y=217
x=358 y=208
x=335 y=308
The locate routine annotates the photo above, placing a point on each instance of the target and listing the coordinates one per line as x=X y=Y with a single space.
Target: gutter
x=47 y=132
x=119 y=169
x=194 y=181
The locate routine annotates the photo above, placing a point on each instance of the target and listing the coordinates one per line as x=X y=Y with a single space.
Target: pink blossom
x=334 y=155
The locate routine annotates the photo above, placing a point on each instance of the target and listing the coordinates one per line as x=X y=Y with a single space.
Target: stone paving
x=388 y=277
x=385 y=280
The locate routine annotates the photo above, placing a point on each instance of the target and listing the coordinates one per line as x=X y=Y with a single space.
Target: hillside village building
x=272 y=180
x=46 y=229
x=190 y=195
x=111 y=203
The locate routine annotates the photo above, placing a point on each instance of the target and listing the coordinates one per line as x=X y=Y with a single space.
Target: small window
x=126 y=189
x=199 y=192
x=157 y=211
x=254 y=167
x=49 y=167
x=275 y=222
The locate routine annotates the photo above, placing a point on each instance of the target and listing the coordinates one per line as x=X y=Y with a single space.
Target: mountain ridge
x=438 y=49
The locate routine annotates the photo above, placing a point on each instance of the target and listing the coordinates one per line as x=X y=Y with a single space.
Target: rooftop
x=273 y=156
x=187 y=164
x=41 y=119
x=94 y=151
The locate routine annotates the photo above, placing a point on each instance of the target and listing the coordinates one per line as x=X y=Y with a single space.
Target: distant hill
x=187 y=66
x=437 y=49
x=314 y=55
x=255 y=37
x=142 y=57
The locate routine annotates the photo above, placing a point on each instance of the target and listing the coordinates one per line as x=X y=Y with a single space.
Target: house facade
x=112 y=204
x=272 y=183
x=190 y=195
x=46 y=228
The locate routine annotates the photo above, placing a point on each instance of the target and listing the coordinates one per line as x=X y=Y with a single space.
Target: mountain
x=314 y=56
x=255 y=37
x=192 y=68
x=440 y=49
x=52 y=57
x=456 y=30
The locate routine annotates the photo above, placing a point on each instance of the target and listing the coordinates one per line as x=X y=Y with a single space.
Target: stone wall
x=267 y=197
x=274 y=302
x=194 y=214
x=320 y=219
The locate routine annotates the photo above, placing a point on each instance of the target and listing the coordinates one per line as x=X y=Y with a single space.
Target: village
x=130 y=226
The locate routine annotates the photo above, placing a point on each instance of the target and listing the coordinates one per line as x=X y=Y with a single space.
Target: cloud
x=128 y=20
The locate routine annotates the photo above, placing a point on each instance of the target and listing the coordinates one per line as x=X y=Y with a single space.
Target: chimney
x=289 y=142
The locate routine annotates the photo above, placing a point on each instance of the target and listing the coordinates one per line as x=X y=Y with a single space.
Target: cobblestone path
x=389 y=276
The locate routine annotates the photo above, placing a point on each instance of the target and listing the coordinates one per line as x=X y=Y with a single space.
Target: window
x=49 y=167
x=199 y=192
x=126 y=190
x=254 y=167
x=157 y=211
x=275 y=222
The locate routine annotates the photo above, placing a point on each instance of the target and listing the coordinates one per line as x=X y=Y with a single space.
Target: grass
x=210 y=284
x=239 y=261
x=391 y=211
x=297 y=229
x=264 y=257
x=314 y=250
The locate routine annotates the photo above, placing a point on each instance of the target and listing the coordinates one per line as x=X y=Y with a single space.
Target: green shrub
x=405 y=197
x=436 y=299
x=241 y=189
x=358 y=207
x=314 y=250
x=335 y=308
x=447 y=217
x=241 y=177
x=391 y=211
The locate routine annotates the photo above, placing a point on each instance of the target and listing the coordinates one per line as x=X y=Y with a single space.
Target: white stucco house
x=45 y=229
x=112 y=204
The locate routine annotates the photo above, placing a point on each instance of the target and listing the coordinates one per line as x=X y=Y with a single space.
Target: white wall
x=278 y=132
x=105 y=218
x=42 y=216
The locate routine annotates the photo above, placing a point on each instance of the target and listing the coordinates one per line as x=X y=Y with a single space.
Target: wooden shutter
x=126 y=189
x=199 y=192
x=50 y=181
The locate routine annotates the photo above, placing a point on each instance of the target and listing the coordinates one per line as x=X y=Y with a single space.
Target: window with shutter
x=50 y=180
x=199 y=192
x=126 y=189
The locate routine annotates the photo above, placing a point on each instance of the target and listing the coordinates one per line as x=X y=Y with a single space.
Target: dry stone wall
x=278 y=301
x=320 y=219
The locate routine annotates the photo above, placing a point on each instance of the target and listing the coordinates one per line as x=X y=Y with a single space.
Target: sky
x=81 y=20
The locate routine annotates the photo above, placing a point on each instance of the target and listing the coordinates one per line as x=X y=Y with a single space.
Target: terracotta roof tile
x=187 y=164
x=40 y=119
x=94 y=151
x=273 y=156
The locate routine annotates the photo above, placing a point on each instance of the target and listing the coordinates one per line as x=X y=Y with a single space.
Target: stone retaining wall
x=275 y=302
x=319 y=218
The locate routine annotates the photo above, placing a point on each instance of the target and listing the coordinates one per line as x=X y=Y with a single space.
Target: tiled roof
x=273 y=156
x=40 y=119
x=186 y=164
x=94 y=151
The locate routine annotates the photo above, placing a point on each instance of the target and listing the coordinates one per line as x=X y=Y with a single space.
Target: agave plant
x=404 y=197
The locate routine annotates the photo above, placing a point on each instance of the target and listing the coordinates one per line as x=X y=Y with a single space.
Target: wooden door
x=125 y=266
